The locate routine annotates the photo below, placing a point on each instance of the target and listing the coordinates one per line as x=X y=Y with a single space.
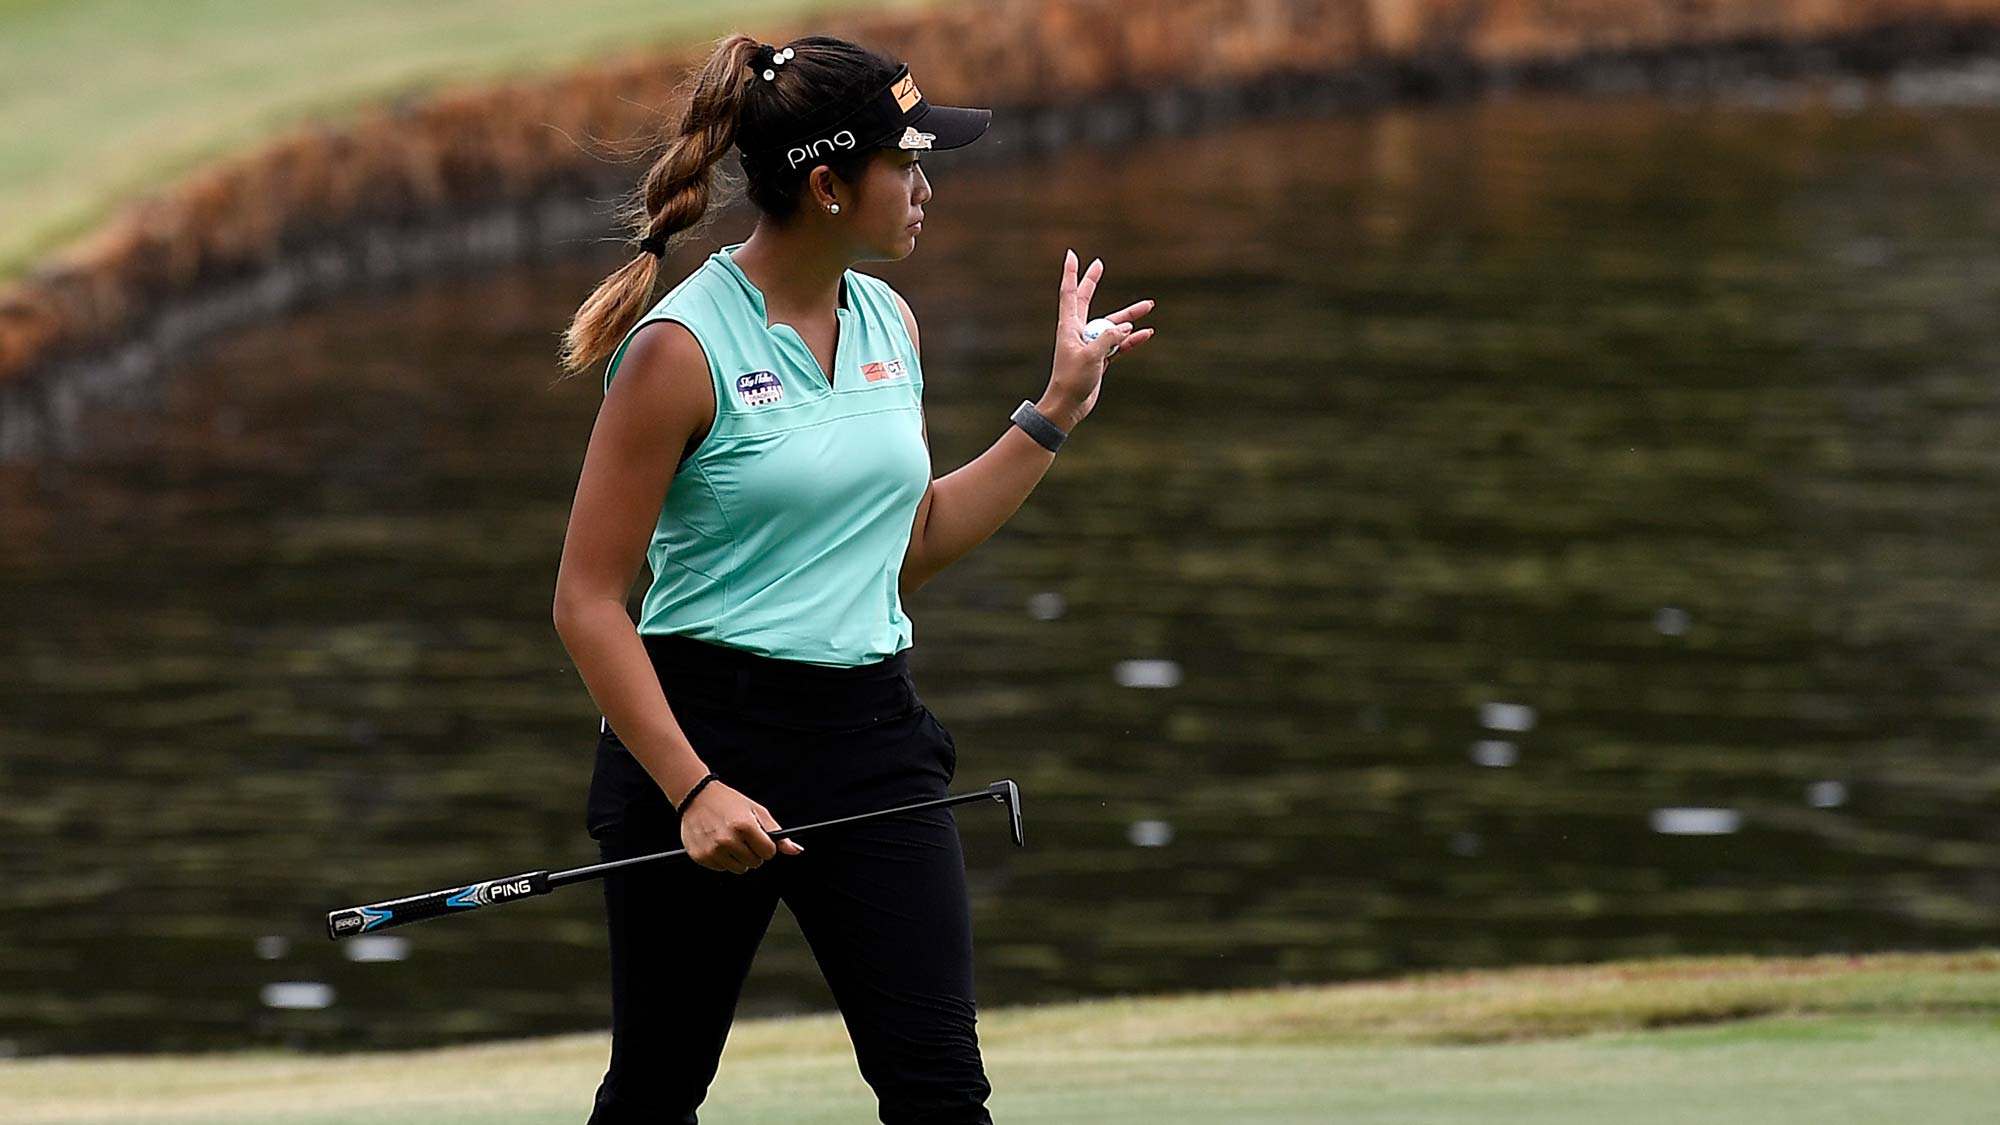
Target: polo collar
x=756 y=295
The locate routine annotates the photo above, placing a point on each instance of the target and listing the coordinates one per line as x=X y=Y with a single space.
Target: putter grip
x=453 y=900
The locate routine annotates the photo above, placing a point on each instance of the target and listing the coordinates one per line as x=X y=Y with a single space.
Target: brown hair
x=726 y=100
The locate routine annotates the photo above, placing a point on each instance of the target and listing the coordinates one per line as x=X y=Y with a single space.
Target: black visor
x=896 y=116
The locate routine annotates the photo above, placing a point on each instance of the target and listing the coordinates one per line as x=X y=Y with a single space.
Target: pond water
x=1543 y=530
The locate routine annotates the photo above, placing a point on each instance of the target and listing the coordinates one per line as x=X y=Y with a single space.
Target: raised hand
x=1078 y=372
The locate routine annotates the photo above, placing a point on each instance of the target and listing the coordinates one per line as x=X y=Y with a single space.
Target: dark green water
x=1679 y=427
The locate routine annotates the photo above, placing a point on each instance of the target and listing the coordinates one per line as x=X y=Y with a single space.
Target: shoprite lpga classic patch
x=759 y=388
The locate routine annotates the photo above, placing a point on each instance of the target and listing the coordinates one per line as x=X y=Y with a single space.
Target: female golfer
x=761 y=446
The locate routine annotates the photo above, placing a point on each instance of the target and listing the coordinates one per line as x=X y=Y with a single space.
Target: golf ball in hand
x=1096 y=328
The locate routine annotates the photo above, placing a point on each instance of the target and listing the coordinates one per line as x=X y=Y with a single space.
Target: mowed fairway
x=1900 y=1038
x=104 y=100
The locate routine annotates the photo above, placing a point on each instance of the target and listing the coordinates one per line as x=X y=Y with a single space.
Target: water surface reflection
x=1541 y=531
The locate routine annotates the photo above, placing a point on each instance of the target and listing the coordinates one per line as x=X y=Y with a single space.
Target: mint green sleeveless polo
x=784 y=533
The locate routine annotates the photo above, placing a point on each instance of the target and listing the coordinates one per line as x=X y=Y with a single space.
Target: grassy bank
x=1905 y=1037
x=104 y=100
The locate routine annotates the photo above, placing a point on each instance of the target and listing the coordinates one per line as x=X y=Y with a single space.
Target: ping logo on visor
x=798 y=153
x=887 y=116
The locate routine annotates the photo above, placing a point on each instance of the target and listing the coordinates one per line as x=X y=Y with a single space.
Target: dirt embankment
x=474 y=171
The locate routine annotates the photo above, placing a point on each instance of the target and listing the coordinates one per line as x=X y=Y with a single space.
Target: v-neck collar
x=824 y=379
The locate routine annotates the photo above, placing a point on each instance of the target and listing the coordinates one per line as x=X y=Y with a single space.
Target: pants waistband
x=695 y=673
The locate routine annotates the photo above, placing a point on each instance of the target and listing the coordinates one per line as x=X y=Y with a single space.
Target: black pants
x=883 y=903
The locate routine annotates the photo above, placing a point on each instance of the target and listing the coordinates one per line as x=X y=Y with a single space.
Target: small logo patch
x=906 y=93
x=876 y=372
x=913 y=139
x=759 y=388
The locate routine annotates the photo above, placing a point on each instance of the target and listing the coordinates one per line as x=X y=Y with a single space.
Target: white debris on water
x=1147 y=673
x=1150 y=833
x=1826 y=794
x=1507 y=716
x=1671 y=621
x=1971 y=84
x=270 y=947
x=299 y=994
x=1047 y=606
x=1847 y=96
x=1495 y=753
x=1696 y=821
x=377 y=947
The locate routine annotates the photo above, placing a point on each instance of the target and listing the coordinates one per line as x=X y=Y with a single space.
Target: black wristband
x=697 y=788
x=1037 y=426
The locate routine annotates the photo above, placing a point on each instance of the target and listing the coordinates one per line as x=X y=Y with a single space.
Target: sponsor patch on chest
x=759 y=388
x=888 y=369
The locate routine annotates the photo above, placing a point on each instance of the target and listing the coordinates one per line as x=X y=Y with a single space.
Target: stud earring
x=833 y=208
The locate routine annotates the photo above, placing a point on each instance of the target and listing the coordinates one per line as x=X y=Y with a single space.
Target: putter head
x=1009 y=794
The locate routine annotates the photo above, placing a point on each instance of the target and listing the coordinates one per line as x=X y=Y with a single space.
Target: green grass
x=1718 y=1041
x=102 y=101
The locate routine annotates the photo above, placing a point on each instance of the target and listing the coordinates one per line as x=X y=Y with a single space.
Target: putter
x=352 y=920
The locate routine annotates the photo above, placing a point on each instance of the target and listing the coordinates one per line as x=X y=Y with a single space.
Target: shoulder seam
x=657 y=312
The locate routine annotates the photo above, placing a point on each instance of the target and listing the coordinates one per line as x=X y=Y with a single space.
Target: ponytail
x=673 y=196
x=671 y=199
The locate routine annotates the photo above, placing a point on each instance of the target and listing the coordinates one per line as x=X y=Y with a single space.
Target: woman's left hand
x=1078 y=373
